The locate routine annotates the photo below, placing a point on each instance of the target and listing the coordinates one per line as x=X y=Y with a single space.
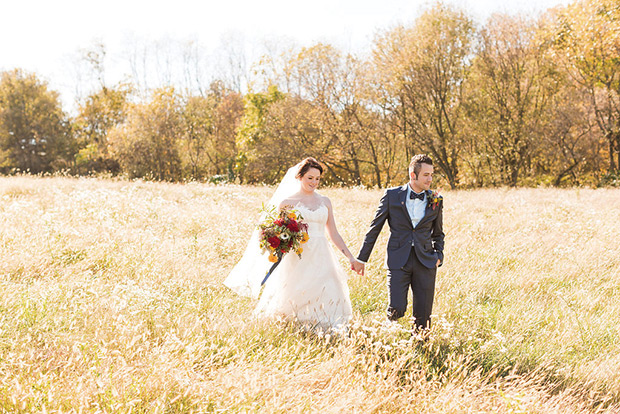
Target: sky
x=46 y=37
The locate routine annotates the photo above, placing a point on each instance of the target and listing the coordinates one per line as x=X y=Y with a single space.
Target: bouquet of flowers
x=282 y=232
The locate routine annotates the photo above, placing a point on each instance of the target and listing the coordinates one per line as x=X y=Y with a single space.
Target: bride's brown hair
x=306 y=165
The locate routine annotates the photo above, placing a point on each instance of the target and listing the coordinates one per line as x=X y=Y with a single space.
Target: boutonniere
x=434 y=198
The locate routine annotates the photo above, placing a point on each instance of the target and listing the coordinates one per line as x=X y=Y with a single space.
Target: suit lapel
x=402 y=199
x=428 y=211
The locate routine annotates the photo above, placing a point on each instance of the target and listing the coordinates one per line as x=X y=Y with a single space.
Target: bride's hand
x=356 y=266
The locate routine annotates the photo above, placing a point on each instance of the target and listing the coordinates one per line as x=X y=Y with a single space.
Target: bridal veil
x=246 y=277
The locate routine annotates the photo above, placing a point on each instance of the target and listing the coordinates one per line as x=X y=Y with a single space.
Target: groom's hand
x=358 y=267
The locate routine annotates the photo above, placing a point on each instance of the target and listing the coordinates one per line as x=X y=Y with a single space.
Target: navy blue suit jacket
x=427 y=237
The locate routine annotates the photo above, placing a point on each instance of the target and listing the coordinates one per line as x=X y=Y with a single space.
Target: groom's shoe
x=421 y=334
x=389 y=324
x=394 y=314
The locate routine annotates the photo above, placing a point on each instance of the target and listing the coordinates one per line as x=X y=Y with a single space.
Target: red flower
x=274 y=241
x=292 y=226
x=279 y=222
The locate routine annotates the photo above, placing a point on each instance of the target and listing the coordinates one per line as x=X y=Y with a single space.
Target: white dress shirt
x=416 y=207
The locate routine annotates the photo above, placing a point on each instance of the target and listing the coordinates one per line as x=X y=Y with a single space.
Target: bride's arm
x=285 y=202
x=333 y=232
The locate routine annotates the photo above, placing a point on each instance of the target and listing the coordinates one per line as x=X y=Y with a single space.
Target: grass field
x=112 y=301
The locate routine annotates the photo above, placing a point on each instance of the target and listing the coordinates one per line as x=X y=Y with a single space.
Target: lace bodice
x=316 y=219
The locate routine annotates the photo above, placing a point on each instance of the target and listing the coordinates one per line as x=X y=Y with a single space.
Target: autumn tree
x=34 y=133
x=424 y=67
x=568 y=151
x=146 y=144
x=226 y=121
x=322 y=114
x=587 y=40
x=510 y=87
x=197 y=121
x=386 y=137
x=331 y=82
x=97 y=115
x=209 y=131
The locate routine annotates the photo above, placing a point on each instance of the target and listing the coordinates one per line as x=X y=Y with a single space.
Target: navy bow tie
x=413 y=195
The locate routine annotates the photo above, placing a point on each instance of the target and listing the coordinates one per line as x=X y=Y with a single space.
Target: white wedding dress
x=312 y=290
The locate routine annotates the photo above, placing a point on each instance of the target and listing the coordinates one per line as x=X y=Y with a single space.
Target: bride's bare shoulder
x=326 y=201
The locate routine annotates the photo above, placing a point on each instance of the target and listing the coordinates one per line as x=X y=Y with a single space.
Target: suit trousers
x=421 y=280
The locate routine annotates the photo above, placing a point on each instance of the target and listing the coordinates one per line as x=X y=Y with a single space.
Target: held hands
x=356 y=266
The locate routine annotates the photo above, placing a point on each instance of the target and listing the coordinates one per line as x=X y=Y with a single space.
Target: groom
x=415 y=246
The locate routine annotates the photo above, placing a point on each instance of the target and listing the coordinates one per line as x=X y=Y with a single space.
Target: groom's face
x=423 y=179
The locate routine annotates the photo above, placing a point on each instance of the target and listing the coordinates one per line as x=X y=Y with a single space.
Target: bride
x=312 y=290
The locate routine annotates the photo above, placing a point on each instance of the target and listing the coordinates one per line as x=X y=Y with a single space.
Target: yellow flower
x=299 y=250
x=305 y=237
x=292 y=216
x=273 y=258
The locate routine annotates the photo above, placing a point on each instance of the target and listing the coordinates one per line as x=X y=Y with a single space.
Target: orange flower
x=305 y=237
x=292 y=216
x=299 y=250
x=273 y=257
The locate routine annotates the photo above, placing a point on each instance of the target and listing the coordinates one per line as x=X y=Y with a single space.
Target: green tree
x=256 y=158
x=34 y=133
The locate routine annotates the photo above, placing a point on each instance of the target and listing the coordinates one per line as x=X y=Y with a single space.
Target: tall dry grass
x=112 y=301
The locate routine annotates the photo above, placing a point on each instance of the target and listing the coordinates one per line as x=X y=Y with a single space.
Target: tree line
x=517 y=101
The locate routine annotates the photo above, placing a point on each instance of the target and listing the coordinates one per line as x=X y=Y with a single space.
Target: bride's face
x=310 y=180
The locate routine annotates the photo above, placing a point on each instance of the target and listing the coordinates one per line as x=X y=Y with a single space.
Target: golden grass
x=112 y=301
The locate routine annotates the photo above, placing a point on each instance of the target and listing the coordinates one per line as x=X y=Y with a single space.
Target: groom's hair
x=416 y=163
x=306 y=165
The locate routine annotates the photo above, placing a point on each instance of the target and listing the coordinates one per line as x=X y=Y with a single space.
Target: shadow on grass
x=441 y=362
